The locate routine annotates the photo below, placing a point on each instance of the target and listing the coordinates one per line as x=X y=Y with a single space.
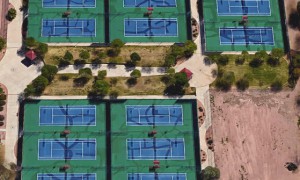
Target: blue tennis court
x=69 y=3
x=156 y=176
x=245 y=36
x=69 y=27
x=149 y=115
x=66 y=176
x=146 y=27
x=68 y=115
x=61 y=149
x=243 y=7
x=155 y=148
x=149 y=3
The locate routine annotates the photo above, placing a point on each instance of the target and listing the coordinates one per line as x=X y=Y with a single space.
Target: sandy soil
x=255 y=134
x=294 y=34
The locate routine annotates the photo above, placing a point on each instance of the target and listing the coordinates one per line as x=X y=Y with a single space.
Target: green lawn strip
x=260 y=77
x=148 y=85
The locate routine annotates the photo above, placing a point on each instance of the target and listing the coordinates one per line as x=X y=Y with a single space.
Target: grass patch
x=261 y=77
x=151 y=56
x=145 y=86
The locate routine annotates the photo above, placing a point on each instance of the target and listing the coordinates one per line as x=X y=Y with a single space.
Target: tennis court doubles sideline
x=156 y=176
x=69 y=3
x=155 y=148
x=150 y=27
x=66 y=176
x=68 y=27
x=149 y=3
x=61 y=149
x=248 y=35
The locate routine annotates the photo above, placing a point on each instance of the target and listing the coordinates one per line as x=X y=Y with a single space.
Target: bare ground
x=255 y=134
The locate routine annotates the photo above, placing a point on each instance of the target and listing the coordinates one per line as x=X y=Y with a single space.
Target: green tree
x=242 y=84
x=68 y=56
x=117 y=43
x=42 y=49
x=135 y=57
x=170 y=60
x=277 y=52
x=49 y=71
x=276 y=86
x=39 y=84
x=11 y=14
x=101 y=87
x=101 y=74
x=135 y=73
x=30 y=42
x=85 y=72
x=84 y=55
x=273 y=61
x=177 y=51
x=210 y=173
x=189 y=48
x=256 y=62
x=181 y=79
x=263 y=55
x=223 y=60
x=2 y=43
x=29 y=90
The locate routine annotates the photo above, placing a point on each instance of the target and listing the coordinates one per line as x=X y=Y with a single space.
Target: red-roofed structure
x=30 y=55
x=188 y=73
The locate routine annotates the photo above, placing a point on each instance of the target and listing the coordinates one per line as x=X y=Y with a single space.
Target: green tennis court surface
x=224 y=31
x=63 y=150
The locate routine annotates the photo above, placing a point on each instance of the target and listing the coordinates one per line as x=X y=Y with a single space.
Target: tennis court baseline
x=154 y=27
x=149 y=115
x=156 y=176
x=61 y=149
x=66 y=176
x=69 y=3
x=67 y=115
x=155 y=148
x=149 y=3
x=245 y=36
x=68 y=27
x=243 y=7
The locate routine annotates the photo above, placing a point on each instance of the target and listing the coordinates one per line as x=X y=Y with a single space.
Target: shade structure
x=188 y=73
x=30 y=55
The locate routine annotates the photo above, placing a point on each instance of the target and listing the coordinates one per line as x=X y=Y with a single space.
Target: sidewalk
x=15 y=76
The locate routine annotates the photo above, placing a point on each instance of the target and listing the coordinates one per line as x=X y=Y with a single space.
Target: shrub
x=170 y=60
x=113 y=81
x=86 y=72
x=114 y=94
x=30 y=42
x=240 y=60
x=79 y=62
x=189 y=48
x=276 y=86
x=223 y=60
x=296 y=73
x=277 y=52
x=1 y=117
x=63 y=63
x=42 y=49
x=102 y=74
x=68 y=56
x=11 y=14
x=135 y=57
x=256 y=62
x=49 y=71
x=242 y=84
x=64 y=77
x=101 y=55
x=39 y=84
x=84 y=55
x=244 y=53
x=113 y=52
x=131 y=81
x=135 y=73
x=29 y=90
x=2 y=43
x=177 y=51
x=1 y=108
x=225 y=81
x=1 y=123
x=210 y=173
x=273 y=61
x=261 y=55
x=2 y=96
x=117 y=43
x=101 y=87
x=180 y=79
x=2 y=102
x=298 y=7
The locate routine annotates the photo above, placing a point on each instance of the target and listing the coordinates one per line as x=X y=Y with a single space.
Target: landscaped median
x=259 y=70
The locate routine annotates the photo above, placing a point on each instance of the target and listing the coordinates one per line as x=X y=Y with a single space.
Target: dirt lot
x=294 y=33
x=255 y=134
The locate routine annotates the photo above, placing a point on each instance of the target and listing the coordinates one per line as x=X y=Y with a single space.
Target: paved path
x=116 y=70
x=15 y=76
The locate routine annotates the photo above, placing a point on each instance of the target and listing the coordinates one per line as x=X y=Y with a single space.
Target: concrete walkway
x=115 y=70
x=15 y=76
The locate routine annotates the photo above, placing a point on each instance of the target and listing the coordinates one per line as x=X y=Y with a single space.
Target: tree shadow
x=294 y=20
